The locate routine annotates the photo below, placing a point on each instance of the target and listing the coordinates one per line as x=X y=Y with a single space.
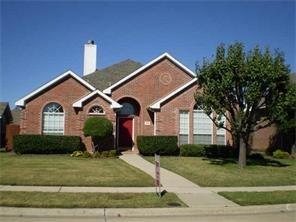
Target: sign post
x=157 y=174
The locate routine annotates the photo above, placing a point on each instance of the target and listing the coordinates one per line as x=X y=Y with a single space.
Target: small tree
x=98 y=128
x=239 y=86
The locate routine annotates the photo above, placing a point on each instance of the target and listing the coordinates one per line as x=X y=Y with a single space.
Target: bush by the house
x=192 y=150
x=46 y=144
x=100 y=130
x=279 y=154
x=97 y=127
x=164 y=145
x=220 y=151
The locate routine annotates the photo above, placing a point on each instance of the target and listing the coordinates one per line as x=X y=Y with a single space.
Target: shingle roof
x=102 y=79
x=16 y=116
x=3 y=106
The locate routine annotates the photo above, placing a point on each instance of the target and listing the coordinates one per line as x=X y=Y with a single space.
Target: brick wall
x=65 y=93
x=149 y=86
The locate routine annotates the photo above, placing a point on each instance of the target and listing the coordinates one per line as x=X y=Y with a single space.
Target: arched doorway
x=126 y=122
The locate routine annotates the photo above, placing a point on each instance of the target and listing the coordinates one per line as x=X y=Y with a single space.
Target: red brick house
x=151 y=99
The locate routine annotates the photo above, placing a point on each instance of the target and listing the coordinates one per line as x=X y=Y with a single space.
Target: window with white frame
x=202 y=127
x=184 y=127
x=96 y=110
x=220 y=137
x=53 y=118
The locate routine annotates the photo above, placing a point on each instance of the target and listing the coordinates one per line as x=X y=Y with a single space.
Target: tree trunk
x=242 y=160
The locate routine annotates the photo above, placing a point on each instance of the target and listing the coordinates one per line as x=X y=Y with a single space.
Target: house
x=151 y=99
x=5 y=119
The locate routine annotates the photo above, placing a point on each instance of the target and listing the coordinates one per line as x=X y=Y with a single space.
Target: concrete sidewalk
x=251 y=189
x=93 y=212
x=65 y=189
x=192 y=194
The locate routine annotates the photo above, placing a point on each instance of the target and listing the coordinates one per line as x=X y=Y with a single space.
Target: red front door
x=125 y=132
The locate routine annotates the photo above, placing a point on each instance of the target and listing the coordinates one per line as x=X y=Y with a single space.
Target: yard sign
x=157 y=174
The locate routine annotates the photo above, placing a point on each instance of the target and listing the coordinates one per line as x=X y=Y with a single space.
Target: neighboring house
x=151 y=99
x=5 y=119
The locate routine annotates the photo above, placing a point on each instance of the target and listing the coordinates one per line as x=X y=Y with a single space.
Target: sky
x=42 y=39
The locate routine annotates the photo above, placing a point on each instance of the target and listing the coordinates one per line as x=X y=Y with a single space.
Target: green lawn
x=88 y=200
x=55 y=170
x=227 y=174
x=261 y=198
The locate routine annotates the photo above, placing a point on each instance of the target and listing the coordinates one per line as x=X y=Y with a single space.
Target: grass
x=57 y=170
x=261 y=198
x=88 y=200
x=215 y=173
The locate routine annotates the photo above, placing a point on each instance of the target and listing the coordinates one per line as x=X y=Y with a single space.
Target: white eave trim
x=167 y=55
x=114 y=104
x=22 y=101
x=158 y=104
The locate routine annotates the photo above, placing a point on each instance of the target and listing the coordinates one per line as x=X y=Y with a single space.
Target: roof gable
x=113 y=104
x=149 y=64
x=22 y=101
x=158 y=104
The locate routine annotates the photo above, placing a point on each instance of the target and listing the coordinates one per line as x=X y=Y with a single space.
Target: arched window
x=96 y=110
x=127 y=109
x=202 y=127
x=53 y=119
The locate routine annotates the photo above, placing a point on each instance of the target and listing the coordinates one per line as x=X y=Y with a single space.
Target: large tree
x=240 y=86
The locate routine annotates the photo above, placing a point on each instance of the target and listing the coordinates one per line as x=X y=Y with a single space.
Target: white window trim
x=43 y=132
x=212 y=125
x=188 y=125
x=96 y=114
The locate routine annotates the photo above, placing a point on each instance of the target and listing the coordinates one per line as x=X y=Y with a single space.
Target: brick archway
x=128 y=123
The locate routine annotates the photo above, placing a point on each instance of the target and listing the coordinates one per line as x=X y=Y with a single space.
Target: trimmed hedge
x=164 y=145
x=46 y=144
x=192 y=150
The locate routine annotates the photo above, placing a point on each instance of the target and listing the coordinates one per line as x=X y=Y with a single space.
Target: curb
x=145 y=212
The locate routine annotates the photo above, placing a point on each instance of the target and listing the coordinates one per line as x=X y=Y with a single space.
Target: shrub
x=97 y=127
x=164 y=145
x=86 y=154
x=279 y=154
x=46 y=144
x=220 y=151
x=192 y=150
x=77 y=154
x=104 y=154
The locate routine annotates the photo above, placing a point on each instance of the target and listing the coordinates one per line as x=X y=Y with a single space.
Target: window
x=96 y=110
x=220 y=137
x=184 y=128
x=127 y=109
x=202 y=127
x=53 y=119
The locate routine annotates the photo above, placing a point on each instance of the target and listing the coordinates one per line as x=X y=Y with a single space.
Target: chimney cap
x=92 y=42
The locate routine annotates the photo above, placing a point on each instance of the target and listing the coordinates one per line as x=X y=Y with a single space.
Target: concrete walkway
x=71 y=189
x=251 y=189
x=151 y=212
x=192 y=194
x=65 y=189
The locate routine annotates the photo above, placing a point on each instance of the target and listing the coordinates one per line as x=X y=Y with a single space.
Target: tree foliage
x=97 y=127
x=240 y=86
